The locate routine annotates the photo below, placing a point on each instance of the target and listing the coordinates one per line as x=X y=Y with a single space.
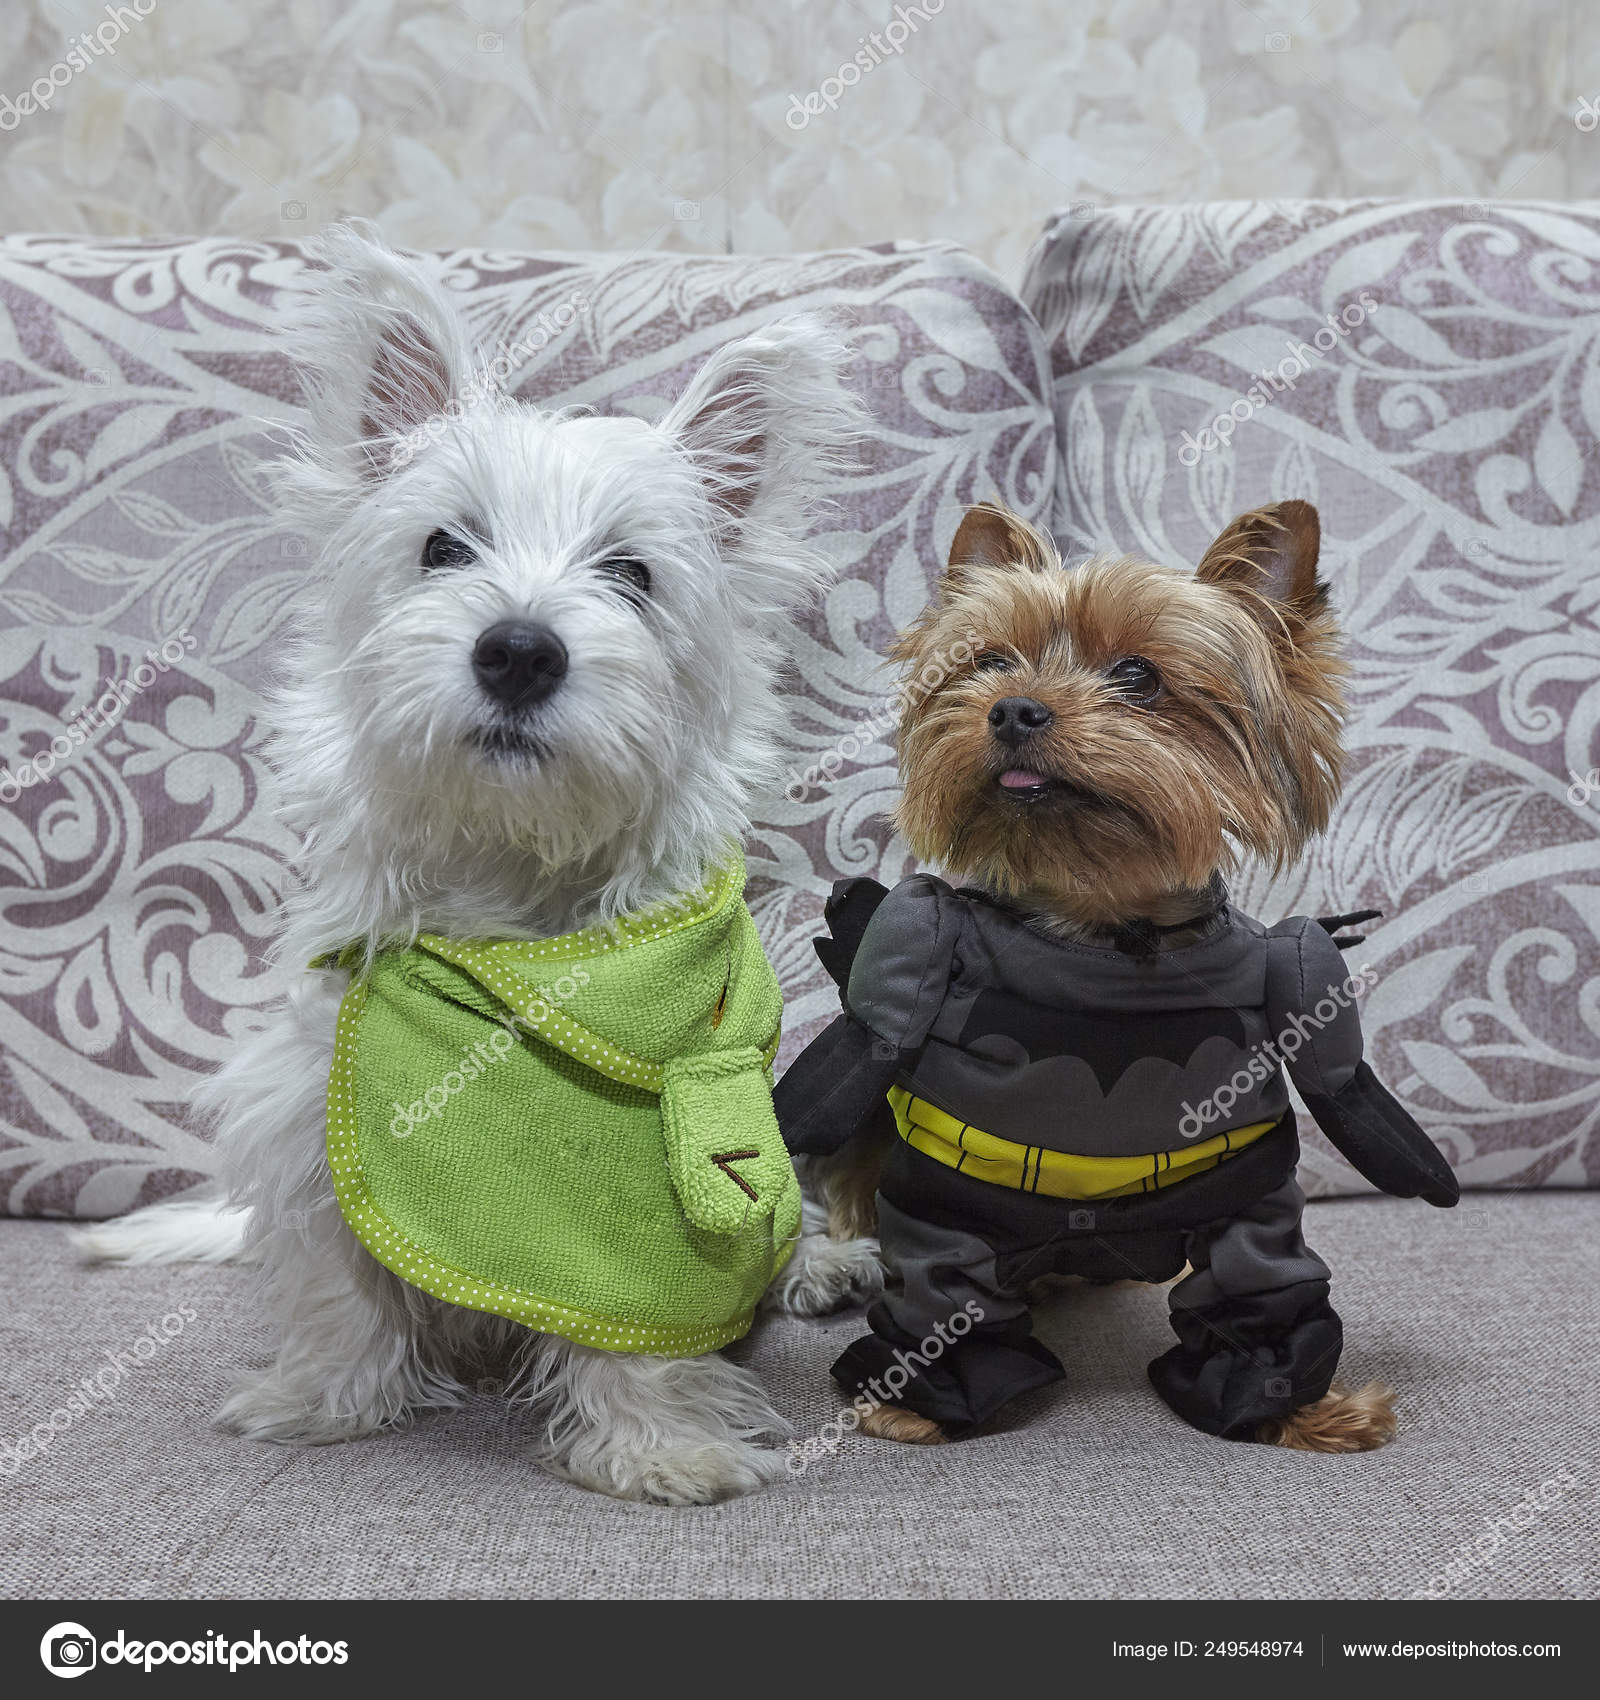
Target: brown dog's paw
x=1340 y=1421
x=889 y=1422
x=848 y=1183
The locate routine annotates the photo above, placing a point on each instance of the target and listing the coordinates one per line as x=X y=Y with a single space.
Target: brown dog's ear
x=990 y=537
x=1271 y=554
x=1267 y=561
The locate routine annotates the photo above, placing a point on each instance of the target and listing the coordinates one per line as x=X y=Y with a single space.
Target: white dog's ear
x=383 y=352
x=766 y=421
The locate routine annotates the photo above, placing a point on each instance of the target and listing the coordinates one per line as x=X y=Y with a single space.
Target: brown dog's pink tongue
x=1019 y=779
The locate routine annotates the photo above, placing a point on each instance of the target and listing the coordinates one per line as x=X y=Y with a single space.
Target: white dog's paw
x=682 y=1475
x=263 y=1406
x=825 y=1275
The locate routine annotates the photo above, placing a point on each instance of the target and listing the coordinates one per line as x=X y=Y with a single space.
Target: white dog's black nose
x=519 y=663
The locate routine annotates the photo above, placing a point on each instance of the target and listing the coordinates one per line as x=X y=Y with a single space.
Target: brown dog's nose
x=1015 y=719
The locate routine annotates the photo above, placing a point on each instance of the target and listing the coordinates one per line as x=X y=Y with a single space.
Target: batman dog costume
x=1055 y=1102
x=1082 y=1051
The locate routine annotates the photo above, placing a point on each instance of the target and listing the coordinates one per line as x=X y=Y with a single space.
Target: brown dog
x=1122 y=735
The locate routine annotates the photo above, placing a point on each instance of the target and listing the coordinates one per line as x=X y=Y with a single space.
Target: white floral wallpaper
x=732 y=125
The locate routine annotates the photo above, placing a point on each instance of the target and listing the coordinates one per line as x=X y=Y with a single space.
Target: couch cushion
x=1445 y=426
x=1090 y=1489
x=138 y=877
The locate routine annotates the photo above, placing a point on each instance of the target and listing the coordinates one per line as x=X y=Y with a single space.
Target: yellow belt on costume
x=1059 y=1174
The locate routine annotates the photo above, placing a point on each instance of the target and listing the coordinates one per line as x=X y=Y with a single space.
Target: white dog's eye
x=445 y=550
x=633 y=577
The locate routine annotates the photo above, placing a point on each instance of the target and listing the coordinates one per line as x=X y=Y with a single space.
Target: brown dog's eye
x=1135 y=679
x=992 y=661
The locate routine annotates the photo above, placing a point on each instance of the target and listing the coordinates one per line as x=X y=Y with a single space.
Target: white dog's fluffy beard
x=422 y=804
x=426 y=809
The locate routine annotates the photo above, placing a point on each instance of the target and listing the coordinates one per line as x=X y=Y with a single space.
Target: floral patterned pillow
x=145 y=582
x=1429 y=376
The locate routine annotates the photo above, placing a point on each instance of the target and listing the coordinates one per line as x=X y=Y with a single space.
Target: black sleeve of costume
x=1332 y=925
x=831 y=1088
x=1363 y=1120
x=899 y=946
x=1372 y=1129
x=848 y=911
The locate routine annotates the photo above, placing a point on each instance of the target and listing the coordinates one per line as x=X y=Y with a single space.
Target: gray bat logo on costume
x=1108 y=1041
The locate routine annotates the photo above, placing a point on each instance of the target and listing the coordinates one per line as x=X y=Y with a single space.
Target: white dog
x=637 y=580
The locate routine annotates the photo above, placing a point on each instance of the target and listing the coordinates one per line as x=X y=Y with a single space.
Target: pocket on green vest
x=727 y=1159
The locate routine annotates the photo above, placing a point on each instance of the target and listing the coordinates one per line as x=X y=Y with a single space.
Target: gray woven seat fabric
x=1483 y=1319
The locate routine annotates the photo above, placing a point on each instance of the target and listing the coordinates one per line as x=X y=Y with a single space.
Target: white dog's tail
x=184 y=1230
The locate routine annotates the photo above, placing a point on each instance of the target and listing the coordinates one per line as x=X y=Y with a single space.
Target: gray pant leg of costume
x=1257 y=1336
x=951 y=1338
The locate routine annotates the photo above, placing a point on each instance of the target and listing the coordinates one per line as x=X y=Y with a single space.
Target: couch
x=1427 y=373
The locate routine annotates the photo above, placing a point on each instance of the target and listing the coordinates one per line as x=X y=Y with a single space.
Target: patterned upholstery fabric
x=1445 y=435
x=1445 y=426
x=145 y=582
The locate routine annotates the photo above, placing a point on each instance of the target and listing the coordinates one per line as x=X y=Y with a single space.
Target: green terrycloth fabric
x=577 y=1132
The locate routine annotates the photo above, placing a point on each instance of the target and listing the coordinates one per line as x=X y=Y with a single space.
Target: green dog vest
x=576 y=1133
